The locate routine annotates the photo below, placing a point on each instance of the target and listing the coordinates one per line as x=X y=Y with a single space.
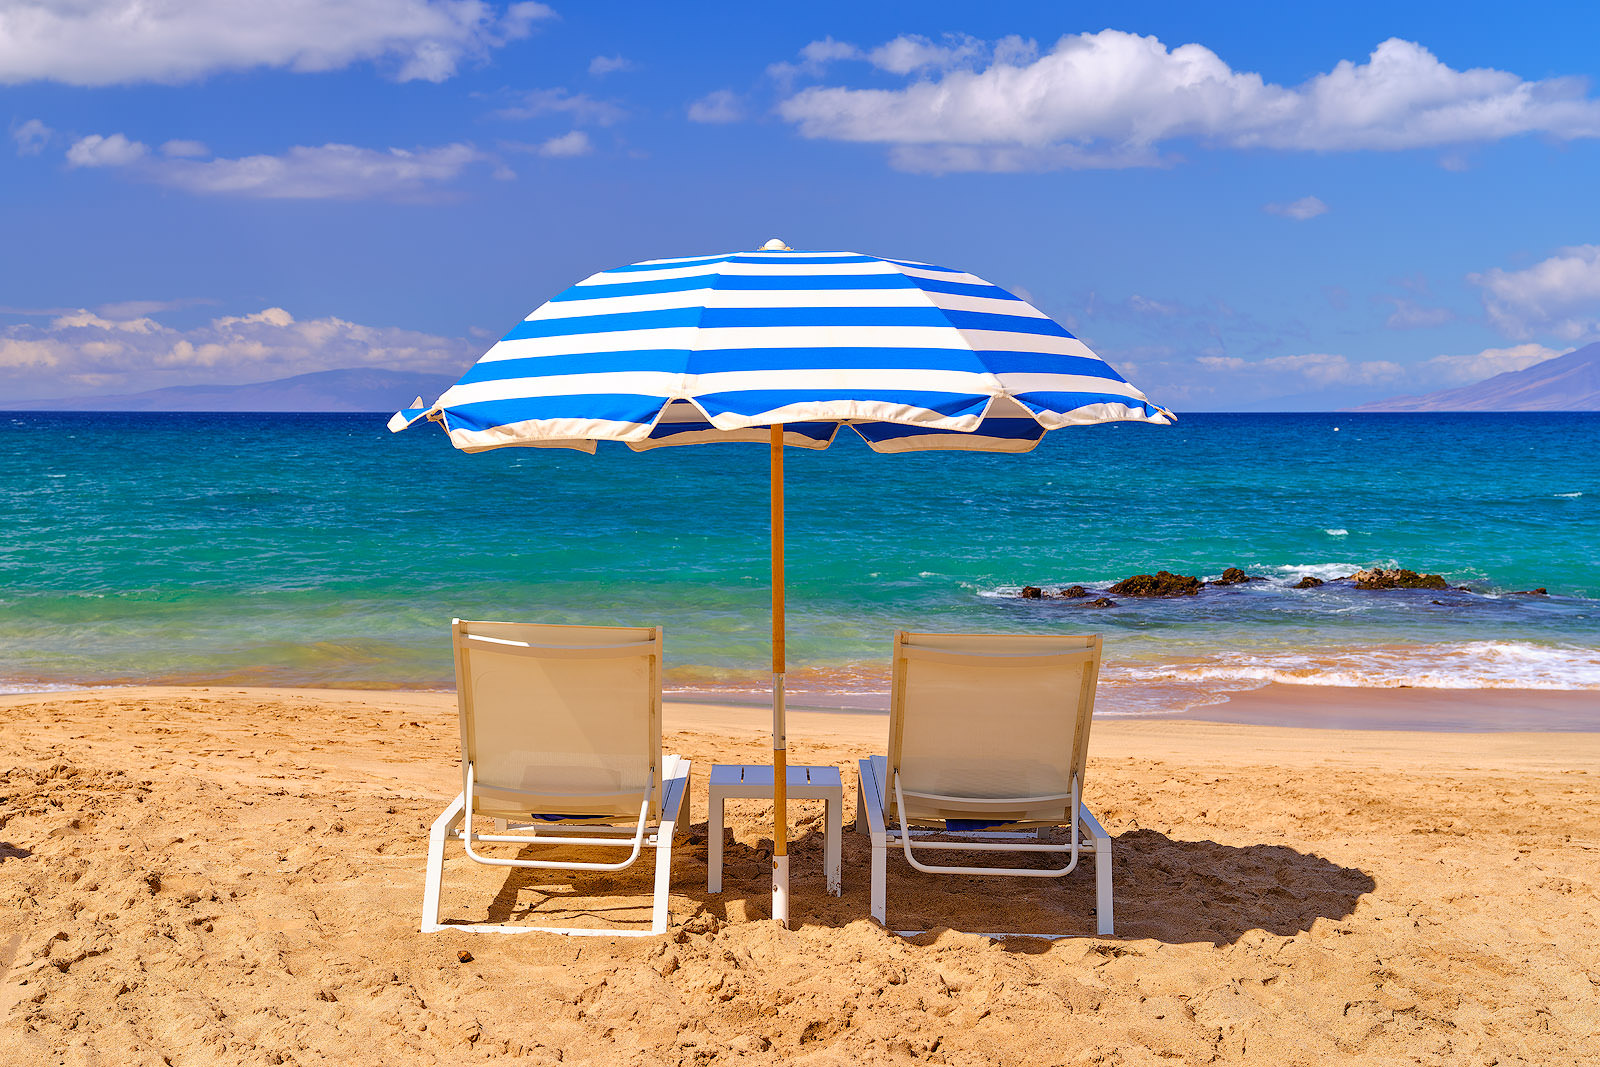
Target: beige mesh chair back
x=561 y=736
x=988 y=742
x=559 y=719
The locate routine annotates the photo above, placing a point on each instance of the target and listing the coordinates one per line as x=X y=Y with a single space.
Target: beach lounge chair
x=560 y=745
x=986 y=731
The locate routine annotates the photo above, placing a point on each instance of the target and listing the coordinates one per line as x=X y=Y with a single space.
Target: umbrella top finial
x=776 y=245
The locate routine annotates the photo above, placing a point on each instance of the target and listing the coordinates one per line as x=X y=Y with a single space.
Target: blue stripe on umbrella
x=749 y=402
x=609 y=407
x=715 y=318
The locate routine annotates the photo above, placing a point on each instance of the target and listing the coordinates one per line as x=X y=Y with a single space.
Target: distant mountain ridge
x=361 y=389
x=1565 y=383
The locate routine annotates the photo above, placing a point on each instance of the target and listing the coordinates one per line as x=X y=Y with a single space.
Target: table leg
x=714 y=843
x=832 y=831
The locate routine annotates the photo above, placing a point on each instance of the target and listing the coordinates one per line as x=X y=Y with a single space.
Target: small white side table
x=754 y=782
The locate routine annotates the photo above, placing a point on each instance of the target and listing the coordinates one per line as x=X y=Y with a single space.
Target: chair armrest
x=871 y=790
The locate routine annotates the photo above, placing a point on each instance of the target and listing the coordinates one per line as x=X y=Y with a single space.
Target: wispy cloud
x=1313 y=368
x=600 y=66
x=1307 y=207
x=113 y=351
x=31 y=137
x=111 y=42
x=325 y=172
x=1410 y=315
x=1115 y=99
x=721 y=106
x=579 y=107
x=137 y=309
x=575 y=143
x=1558 y=296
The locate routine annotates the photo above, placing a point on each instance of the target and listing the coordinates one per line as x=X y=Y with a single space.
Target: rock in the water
x=1397 y=578
x=1161 y=583
x=1308 y=582
x=1541 y=591
x=1234 y=576
x=1072 y=592
x=1101 y=602
x=1031 y=592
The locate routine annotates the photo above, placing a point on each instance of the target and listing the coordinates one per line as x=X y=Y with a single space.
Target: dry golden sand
x=234 y=876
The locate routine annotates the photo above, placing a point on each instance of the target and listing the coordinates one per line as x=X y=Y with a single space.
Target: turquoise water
x=322 y=550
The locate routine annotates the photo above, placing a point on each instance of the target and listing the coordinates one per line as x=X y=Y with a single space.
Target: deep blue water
x=321 y=549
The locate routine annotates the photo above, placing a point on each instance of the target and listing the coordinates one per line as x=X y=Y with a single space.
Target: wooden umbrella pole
x=780 y=740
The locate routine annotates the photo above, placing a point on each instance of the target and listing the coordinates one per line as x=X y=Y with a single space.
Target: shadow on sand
x=1168 y=890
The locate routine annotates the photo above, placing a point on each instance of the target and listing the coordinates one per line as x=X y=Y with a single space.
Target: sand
x=234 y=876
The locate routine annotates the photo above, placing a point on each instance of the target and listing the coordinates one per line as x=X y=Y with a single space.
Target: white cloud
x=1113 y=99
x=580 y=108
x=602 y=65
x=912 y=52
x=325 y=172
x=717 y=107
x=97 y=151
x=1307 y=207
x=110 y=42
x=814 y=59
x=31 y=137
x=83 y=351
x=89 y=320
x=1558 y=296
x=575 y=143
x=1462 y=370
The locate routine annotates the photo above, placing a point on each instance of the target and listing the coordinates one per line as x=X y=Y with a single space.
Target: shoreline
x=1276 y=705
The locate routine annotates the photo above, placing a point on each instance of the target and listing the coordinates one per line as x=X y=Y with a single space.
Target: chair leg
x=1104 y=924
x=880 y=851
x=658 y=912
x=442 y=827
x=714 y=842
x=833 y=866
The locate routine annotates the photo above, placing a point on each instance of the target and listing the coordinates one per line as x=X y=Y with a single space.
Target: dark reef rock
x=1073 y=592
x=1031 y=592
x=1541 y=591
x=1308 y=582
x=1235 y=576
x=1101 y=602
x=1397 y=578
x=1161 y=583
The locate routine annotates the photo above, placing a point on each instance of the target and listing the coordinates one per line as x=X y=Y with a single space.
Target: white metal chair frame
x=877 y=780
x=456 y=820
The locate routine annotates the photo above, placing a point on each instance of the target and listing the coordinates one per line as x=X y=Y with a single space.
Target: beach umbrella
x=783 y=347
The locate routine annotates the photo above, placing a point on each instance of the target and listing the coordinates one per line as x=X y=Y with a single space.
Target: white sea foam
x=15 y=688
x=1472 y=665
x=1568 y=496
x=1337 y=531
x=1293 y=572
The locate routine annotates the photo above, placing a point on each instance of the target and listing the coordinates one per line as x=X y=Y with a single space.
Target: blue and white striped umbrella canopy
x=719 y=348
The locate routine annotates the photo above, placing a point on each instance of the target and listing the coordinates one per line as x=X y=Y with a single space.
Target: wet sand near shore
x=234 y=876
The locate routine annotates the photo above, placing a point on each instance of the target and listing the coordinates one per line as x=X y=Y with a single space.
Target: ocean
x=321 y=550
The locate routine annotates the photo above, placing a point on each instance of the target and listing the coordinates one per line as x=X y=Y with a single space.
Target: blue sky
x=1242 y=207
